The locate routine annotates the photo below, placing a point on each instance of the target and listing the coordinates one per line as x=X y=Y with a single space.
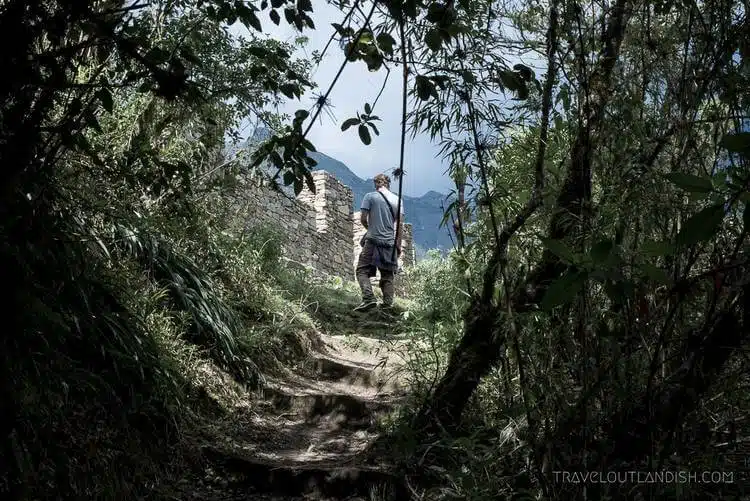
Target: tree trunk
x=481 y=345
x=461 y=213
x=474 y=357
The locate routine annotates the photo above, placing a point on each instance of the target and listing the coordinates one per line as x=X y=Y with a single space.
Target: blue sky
x=424 y=171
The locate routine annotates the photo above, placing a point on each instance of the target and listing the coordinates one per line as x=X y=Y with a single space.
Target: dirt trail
x=306 y=438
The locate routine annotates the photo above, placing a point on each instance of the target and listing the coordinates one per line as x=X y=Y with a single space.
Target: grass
x=330 y=303
x=118 y=371
x=113 y=373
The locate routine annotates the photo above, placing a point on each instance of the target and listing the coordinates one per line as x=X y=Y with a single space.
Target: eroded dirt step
x=346 y=411
x=330 y=368
x=353 y=355
x=298 y=384
x=318 y=479
x=290 y=439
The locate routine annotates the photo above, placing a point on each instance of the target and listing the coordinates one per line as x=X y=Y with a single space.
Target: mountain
x=423 y=213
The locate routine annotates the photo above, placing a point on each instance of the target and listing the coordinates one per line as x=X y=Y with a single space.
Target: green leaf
x=701 y=226
x=259 y=52
x=719 y=179
x=524 y=71
x=289 y=178
x=737 y=143
x=697 y=197
x=289 y=90
x=468 y=77
x=435 y=12
x=348 y=123
x=276 y=159
x=448 y=210
x=298 y=22
x=364 y=134
x=289 y=14
x=253 y=21
x=385 y=42
x=559 y=249
x=368 y=108
x=309 y=181
x=275 y=17
x=563 y=290
x=655 y=273
x=410 y=8
x=601 y=251
x=105 y=96
x=657 y=249
x=374 y=129
x=433 y=39
x=425 y=88
x=690 y=182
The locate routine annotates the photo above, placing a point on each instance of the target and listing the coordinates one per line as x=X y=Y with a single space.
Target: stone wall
x=317 y=230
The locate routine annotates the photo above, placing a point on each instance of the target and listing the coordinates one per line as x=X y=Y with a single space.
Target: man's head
x=382 y=181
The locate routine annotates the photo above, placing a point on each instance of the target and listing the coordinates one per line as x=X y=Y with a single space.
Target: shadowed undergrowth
x=119 y=365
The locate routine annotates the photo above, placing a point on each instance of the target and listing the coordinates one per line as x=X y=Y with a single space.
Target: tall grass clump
x=84 y=383
x=435 y=316
x=214 y=326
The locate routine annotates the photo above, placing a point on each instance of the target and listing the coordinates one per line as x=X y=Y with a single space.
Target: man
x=378 y=216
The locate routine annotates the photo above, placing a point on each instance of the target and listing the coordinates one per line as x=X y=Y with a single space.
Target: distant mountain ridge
x=424 y=213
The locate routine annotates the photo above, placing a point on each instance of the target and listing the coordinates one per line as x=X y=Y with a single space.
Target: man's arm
x=364 y=210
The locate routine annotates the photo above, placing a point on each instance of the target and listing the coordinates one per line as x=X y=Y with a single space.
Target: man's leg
x=386 y=285
x=364 y=266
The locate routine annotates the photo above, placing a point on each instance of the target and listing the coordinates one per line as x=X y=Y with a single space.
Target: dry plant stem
x=403 y=137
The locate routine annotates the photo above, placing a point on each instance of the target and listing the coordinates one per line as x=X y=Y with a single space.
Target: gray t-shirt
x=380 y=224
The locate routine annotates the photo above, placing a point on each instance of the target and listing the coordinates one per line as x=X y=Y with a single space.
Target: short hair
x=382 y=180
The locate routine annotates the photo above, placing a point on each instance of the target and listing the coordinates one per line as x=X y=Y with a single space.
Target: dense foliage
x=593 y=316
x=114 y=249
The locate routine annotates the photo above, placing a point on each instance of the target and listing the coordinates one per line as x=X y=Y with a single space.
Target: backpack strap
x=393 y=214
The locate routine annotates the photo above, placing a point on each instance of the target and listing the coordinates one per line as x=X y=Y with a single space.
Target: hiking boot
x=366 y=305
x=391 y=309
